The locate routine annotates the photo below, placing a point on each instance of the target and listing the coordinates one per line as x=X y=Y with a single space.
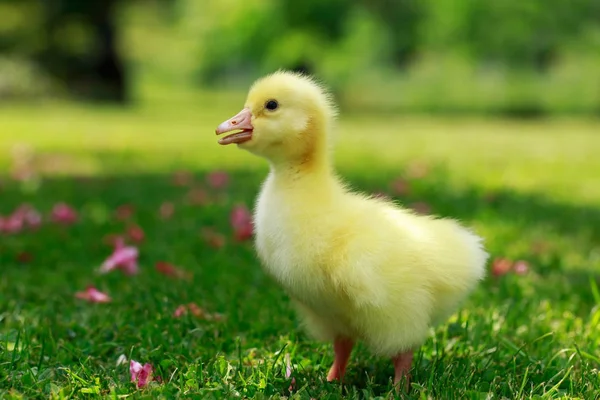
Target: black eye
x=271 y=105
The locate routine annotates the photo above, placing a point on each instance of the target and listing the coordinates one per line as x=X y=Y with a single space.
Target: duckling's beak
x=241 y=122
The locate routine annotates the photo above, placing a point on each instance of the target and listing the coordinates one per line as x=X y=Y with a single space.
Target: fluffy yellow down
x=354 y=265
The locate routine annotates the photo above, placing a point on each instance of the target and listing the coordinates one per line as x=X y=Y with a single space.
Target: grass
x=530 y=188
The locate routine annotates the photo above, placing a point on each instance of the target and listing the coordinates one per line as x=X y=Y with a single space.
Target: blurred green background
x=509 y=57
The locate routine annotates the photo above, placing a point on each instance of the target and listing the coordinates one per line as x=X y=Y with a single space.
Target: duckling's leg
x=342 y=348
x=402 y=364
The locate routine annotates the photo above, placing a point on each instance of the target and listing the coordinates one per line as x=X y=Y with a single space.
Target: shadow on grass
x=519 y=216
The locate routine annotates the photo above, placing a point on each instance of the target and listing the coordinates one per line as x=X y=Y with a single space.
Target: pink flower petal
x=136 y=234
x=180 y=311
x=141 y=374
x=124 y=212
x=64 y=214
x=521 y=267
x=182 y=178
x=218 y=179
x=123 y=257
x=288 y=372
x=241 y=221
x=134 y=369
x=27 y=216
x=130 y=267
x=11 y=224
x=93 y=295
x=213 y=238
x=33 y=219
x=145 y=375
x=288 y=366
x=197 y=197
x=501 y=266
x=168 y=269
x=197 y=312
x=167 y=209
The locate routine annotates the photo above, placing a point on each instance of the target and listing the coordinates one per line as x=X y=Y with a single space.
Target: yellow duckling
x=356 y=267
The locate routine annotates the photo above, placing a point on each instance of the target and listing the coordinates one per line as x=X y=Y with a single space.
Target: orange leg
x=402 y=364
x=342 y=348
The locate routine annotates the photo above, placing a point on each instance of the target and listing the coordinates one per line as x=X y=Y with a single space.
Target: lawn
x=531 y=188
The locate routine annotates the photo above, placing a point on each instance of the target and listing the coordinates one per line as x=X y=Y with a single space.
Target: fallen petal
x=93 y=295
x=11 y=224
x=197 y=197
x=168 y=269
x=167 y=209
x=62 y=213
x=124 y=212
x=218 y=179
x=521 y=267
x=182 y=178
x=241 y=221
x=288 y=366
x=501 y=266
x=180 y=311
x=213 y=238
x=134 y=369
x=141 y=374
x=145 y=375
x=136 y=234
x=196 y=310
x=124 y=257
x=130 y=267
x=33 y=219
x=27 y=216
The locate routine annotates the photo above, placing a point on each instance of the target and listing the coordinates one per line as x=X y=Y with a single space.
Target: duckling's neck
x=308 y=173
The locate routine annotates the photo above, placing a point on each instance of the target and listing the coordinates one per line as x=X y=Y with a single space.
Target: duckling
x=356 y=267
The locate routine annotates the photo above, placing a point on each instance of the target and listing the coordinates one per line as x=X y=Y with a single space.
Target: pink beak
x=242 y=121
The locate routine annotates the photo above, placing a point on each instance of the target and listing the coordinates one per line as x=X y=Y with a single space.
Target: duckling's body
x=361 y=267
x=356 y=267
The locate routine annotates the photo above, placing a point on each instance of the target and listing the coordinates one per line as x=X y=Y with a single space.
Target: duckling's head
x=286 y=118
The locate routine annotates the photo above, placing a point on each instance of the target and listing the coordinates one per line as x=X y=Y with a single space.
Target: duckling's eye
x=271 y=105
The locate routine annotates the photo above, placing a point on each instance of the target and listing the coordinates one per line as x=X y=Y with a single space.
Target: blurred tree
x=424 y=43
x=80 y=48
x=76 y=42
x=402 y=19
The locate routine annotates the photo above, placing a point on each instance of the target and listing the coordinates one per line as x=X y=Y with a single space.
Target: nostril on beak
x=234 y=122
